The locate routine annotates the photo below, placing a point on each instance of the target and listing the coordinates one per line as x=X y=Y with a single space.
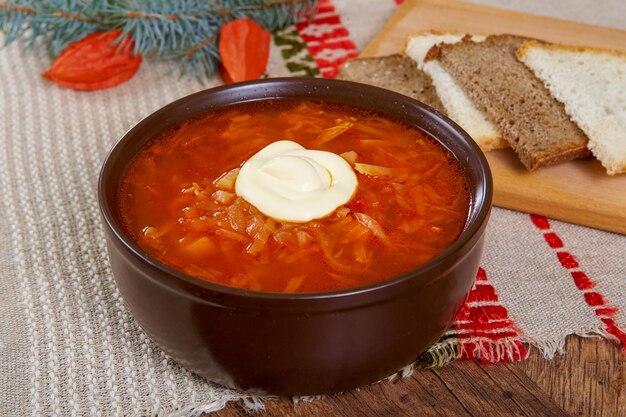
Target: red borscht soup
x=178 y=200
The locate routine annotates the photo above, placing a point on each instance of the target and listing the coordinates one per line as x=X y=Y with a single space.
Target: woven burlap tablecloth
x=69 y=347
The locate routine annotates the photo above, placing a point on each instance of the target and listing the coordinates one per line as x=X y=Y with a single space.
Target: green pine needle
x=184 y=31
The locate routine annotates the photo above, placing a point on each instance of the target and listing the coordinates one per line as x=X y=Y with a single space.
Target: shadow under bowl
x=302 y=343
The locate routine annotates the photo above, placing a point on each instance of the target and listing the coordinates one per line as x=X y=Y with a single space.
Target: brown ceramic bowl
x=307 y=343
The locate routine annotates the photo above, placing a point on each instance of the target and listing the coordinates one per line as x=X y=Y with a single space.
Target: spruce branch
x=185 y=31
x=53 y=24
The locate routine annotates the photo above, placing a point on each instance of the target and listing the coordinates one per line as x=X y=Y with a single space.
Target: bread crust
x=426 y=33
x=433 y=53
x=532 y=43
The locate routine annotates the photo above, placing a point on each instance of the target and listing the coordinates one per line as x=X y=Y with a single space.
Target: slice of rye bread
x=591 y=83
x=394 y=72
x=458 y=105
x=530 y=119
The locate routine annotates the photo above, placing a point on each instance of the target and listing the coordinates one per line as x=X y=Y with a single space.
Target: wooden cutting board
x=579 y=191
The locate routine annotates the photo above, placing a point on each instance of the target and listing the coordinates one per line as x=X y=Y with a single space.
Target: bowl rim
x=480 y=205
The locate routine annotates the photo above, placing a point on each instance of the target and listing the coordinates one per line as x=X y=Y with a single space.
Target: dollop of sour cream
x=287 y=182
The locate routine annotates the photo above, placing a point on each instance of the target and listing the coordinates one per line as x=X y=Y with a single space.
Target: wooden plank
x=461 y=389
x=578 y=191
x=589 y=380
x=445 y=15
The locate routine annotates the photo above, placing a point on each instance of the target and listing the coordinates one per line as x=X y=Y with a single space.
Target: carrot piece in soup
x=294 y=283
x=333 y=132
x=203 y=246
x=351 y=157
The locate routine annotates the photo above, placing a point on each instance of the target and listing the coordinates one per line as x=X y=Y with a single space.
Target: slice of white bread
x=591 y=83
x=458 y=105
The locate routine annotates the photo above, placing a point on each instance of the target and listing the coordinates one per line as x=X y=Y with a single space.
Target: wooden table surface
x=590 y=380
